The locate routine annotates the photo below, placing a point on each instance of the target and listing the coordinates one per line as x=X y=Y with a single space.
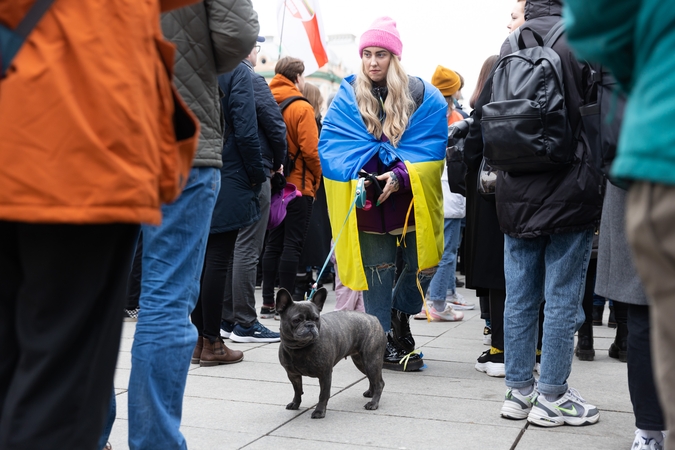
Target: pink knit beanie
x=382 y=33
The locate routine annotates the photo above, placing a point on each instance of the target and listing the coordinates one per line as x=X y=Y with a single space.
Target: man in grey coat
x=211 y=37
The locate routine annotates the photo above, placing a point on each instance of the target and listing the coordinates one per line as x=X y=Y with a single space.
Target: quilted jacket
x=211 y=37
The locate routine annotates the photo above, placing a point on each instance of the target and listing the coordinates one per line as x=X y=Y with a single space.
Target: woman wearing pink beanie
x=385 y=123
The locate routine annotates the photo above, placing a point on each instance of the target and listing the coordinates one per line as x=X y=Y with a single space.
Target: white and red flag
x=301 y=32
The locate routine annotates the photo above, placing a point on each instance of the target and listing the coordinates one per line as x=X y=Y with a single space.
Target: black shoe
x=584 y=349
x=597 y=314
x=458 y=282
x=395 y=358
x=619 y=348
x=612 y=320
x=400 y=327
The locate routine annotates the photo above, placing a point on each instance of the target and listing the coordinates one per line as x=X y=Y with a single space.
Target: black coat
x=271 y=125
x=243 y=172
x=567 y=200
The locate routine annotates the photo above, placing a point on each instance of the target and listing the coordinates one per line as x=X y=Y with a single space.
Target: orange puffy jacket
x=86 y=116
x=302 y=136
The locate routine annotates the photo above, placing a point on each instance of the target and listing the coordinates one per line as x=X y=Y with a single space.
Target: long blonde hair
x=398 y=106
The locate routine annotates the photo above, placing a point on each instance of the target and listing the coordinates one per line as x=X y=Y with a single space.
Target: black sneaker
x=267 y=312
x=131 y=315
x=491 y=362
x=458 y=282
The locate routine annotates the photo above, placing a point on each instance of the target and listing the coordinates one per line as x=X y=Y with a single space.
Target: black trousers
x=206 y=315
x=643 y=395
x=134 y=285
x=284 y=246
x=62 y=291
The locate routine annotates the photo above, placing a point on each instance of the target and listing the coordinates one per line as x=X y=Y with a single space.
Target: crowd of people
x=161 y=190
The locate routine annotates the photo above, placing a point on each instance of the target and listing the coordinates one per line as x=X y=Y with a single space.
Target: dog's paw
x=319 y=414
x=371 y=406
x=368 y=394
x=293 y=405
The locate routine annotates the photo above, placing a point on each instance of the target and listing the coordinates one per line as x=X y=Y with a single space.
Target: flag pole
x=281 y=38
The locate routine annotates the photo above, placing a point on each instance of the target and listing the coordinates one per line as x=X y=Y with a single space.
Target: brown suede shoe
x=197 y=353
x=218 y=353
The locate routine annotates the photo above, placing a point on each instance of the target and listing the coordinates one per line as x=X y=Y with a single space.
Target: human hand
x=391 y=185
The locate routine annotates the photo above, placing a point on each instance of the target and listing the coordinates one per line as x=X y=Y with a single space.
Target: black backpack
x=602 y=116
x=454 y=156
x=525 y=124
x=289 y=161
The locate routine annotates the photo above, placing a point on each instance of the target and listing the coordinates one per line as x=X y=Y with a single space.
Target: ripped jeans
x=378 y=253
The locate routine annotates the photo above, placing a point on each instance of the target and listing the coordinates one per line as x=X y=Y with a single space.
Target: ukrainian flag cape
x=346 y=146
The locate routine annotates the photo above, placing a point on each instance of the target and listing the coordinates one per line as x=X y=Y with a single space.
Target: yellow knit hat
x=446 y=81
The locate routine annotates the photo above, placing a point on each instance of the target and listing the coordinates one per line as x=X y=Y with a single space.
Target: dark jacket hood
x=542 y=8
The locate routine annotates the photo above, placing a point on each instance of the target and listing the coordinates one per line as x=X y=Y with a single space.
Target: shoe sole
x=462 y=307
x=194 y=361
x=585 y=355
x=490 y=369
x=217 y=363
x=266 y=316
x=544 y=420
x=412 y=366
x=514 y=412
x=225 y=334
x=250 y=339
x=437 y=318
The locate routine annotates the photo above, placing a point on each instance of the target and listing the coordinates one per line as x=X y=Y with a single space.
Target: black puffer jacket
x=563 y=201
x=271 y=125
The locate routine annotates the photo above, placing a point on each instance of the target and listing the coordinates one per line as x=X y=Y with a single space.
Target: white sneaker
x=459 y=302
x=642 y=443
x=447 y=315
x=422 y=315
x=570 y=409
x=517 y=406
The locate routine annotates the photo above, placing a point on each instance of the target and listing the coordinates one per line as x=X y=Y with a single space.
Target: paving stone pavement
x=448 y=405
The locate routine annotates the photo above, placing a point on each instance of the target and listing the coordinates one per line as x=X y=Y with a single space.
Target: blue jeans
x=173 y=257
x=551 y=267
x=109 y=421
x=444 y=279
x=378 y=254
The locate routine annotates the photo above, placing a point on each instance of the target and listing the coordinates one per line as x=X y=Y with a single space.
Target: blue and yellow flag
x=346 y=146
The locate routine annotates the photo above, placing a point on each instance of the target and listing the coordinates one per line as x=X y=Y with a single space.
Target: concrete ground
x=447 y=405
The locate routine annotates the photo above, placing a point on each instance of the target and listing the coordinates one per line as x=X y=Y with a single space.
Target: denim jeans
x=444 y=279
x=551 y=267
x=378 y=253
x=173 y=257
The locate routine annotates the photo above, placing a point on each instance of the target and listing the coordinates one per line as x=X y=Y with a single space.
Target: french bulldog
x=311 y=345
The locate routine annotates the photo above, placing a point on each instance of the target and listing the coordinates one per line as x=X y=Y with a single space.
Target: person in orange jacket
x=88 y=152
x=285 y=242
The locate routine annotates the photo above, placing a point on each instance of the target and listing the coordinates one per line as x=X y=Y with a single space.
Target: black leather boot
x=302 y=282
x=584 y=350
x=395 y=358
x=400 y=326
x=598 y=311
x=619 y=348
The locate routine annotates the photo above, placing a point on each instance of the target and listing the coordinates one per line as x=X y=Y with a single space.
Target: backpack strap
x=554 y=33
x=284 y=104
x=513 y=40
x=12 y=40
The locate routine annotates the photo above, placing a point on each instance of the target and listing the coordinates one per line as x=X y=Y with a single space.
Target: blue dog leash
x=360 y=202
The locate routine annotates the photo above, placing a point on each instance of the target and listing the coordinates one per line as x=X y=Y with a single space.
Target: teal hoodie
x=635 y=39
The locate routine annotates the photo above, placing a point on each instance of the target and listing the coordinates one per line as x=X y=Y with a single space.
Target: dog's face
x=300 y=324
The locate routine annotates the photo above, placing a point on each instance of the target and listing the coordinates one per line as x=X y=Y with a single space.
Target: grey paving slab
x=242 y=406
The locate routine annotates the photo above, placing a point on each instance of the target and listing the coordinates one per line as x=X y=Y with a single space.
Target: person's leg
x=524 y=273
x=491 y=361
x=244 y=262
x=173 y=256
x=566 y=262
x=62 y=292
x=134 y=284
x=407 y=297
x=109 y=422
x=619 y=348
x=650 y=213
x=584 y=349
x=218 y=255
x=444 y=278
x=641 y=385
x=378 y=254
x=298 y=214
x=270 y=262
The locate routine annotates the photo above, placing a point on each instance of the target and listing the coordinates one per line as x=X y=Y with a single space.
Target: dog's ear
x=319 y=298
x=284 y=300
